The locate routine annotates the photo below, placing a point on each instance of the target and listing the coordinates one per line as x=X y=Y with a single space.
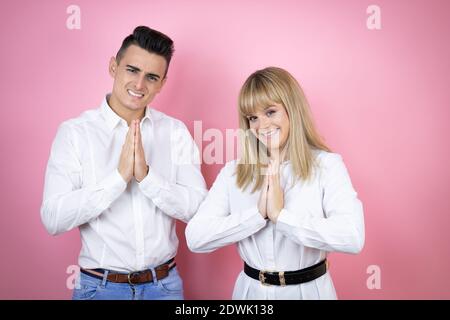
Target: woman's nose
x=264 y=122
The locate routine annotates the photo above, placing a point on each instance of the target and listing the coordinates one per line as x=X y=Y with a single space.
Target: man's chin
x=135 y=107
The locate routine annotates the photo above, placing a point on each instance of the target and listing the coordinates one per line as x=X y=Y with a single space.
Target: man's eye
x=152 y=78
x=131 y=70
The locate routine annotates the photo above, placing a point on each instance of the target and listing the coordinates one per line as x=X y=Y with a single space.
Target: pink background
x=380 y=98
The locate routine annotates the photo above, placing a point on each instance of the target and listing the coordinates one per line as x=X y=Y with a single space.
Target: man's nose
x=140 y=83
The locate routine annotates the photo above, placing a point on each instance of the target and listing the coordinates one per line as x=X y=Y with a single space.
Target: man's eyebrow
x=148 y=74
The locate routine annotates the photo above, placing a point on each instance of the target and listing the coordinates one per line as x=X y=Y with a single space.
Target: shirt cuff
x=252 y=215
x=152 y=184
x=286 y=220
x=113 y=185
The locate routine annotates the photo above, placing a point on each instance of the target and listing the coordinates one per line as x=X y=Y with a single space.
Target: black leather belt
x=287 y=277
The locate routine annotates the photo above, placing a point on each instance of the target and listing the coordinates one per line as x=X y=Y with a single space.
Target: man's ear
x=113 y=67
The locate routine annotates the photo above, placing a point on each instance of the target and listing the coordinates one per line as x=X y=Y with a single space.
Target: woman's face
x=271 y=126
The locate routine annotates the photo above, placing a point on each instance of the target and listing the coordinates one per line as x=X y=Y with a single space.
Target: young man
x=122 y=174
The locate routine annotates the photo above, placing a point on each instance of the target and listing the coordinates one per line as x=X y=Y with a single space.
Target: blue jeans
x=92 y=288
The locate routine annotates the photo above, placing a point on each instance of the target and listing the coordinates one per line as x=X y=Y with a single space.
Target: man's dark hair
x=151 y=40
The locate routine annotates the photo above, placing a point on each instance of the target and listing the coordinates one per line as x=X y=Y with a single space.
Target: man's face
x=138 y=77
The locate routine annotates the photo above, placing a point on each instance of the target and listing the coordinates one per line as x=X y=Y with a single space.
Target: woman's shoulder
x=326 y=159
x=227 y=174
x=228 y=169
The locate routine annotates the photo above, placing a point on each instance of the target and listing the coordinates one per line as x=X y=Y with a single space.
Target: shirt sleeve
x=213 y=226
x=66 y=203
x=340 y=227
x=179 y=199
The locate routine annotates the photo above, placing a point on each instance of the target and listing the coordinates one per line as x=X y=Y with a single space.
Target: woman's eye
x=251 y=118
x=270 y=112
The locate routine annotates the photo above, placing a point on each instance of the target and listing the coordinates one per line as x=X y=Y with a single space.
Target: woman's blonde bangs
x=256 y=95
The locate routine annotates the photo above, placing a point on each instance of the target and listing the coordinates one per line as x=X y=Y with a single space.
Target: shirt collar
x=112 y=118
x=148 y=115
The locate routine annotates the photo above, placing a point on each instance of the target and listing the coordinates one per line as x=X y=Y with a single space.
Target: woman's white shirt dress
x=320 y=216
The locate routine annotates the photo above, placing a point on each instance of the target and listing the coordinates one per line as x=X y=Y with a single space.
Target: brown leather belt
x=132 y=278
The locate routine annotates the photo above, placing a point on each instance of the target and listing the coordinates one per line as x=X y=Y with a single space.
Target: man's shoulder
x=87 y=117
x=159 y=117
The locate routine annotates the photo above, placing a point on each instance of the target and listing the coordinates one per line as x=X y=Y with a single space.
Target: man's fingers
x=127 y=137
x=138 y=130
x=138 y=135
x=126 y=144
x=138 y=141
x=133 y=128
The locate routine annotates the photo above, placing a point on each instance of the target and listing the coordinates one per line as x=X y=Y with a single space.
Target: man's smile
x=135 y=94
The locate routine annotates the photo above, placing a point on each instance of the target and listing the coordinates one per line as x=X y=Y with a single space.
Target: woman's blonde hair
x=262 y=89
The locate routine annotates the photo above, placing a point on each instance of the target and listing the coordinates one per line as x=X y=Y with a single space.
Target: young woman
x=286 y=202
